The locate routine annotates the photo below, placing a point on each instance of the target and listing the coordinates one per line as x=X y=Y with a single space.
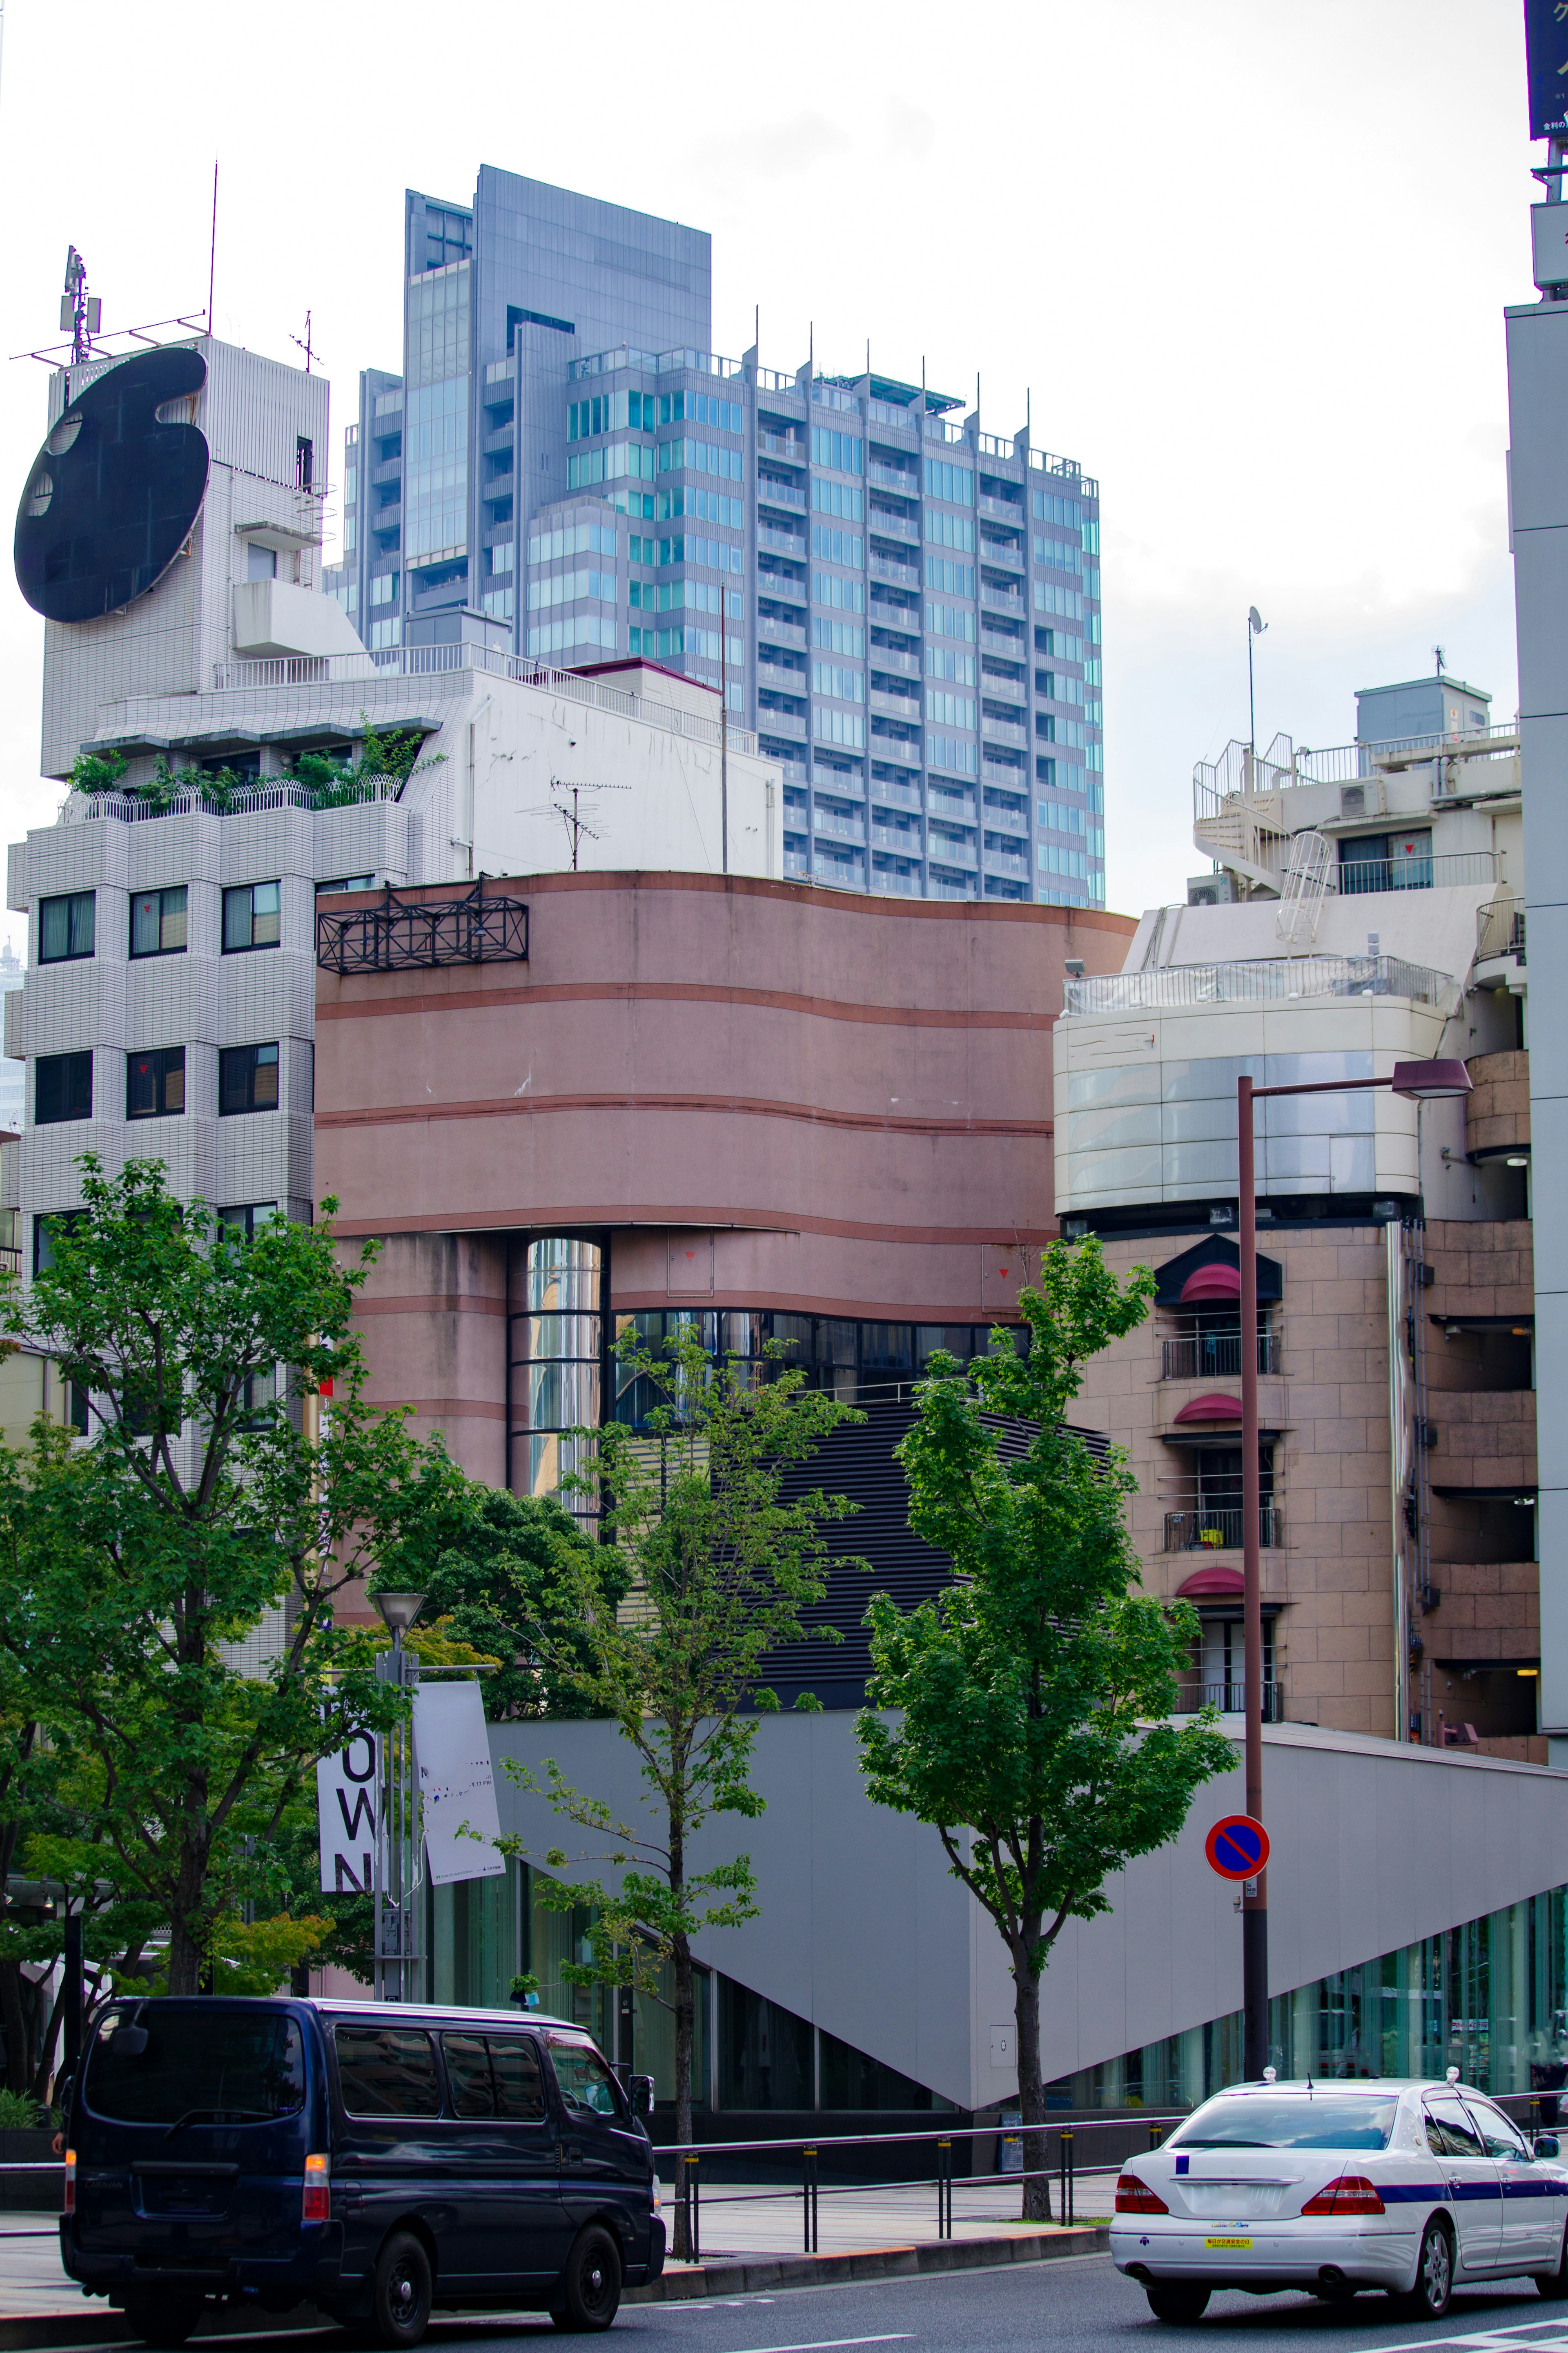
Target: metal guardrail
x=1204 y=1356
x=248 y=800
x=686 y=2156
x=1230 y=1699
x=1252 y=980
x=400 y=935
x=1216 y=1527
x=1501 y=929
x=1445 y=871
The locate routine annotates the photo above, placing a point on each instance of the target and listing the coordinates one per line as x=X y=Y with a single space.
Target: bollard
x=808 y=2197
x=1156 y=2134
x=691 y=2201
x=944 y=2190
x=1066 y=2162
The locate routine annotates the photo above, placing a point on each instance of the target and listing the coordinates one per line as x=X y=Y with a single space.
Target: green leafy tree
x=133 y=1566
x=704 y=1570
x=494 y=1585
x=1019 y=1712
x=330 y=782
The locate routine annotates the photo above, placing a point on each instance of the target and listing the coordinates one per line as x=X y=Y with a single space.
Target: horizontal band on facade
x=832 y=901
x=795 y=1303
x=439 y=1303
x=719 y=1106
x=583 y=1216
x=441 y=1409
x=660 y=992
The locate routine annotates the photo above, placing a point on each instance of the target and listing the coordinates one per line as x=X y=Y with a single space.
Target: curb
x=747 y=2273
x=22 y=2333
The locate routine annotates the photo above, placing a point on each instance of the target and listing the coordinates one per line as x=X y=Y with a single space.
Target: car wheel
x=399 y=2293
x=1554 y=2284
x=1430 y=2297
x=590 y=2284
x=1176 y=2301
x=163 y=2320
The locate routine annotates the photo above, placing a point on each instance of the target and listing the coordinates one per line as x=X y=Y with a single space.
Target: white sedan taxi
x=1414 y=2188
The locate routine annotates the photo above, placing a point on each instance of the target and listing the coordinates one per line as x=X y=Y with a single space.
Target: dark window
x=60 y=1222
x=346 y=882
x=304 y=461
x=387 y=2070
x=62 y=1088
x=155 y=1082
x=77 y=1408
x=492 y=2075
x=229 y=2065
x=65 y=927
x=247 y=1079
x=246 y=1217
x=158 y=922
x=251 y=917
x=1450 y=2131
x=585 y=2083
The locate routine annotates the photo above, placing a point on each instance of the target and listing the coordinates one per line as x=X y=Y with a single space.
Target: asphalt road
x=1075 y=2302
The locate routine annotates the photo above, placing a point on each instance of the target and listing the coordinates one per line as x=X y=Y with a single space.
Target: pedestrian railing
x=1062 y=2164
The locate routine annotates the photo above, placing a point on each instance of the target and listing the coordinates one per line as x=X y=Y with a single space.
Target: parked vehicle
x=1414 y=2188
x=375 y=2162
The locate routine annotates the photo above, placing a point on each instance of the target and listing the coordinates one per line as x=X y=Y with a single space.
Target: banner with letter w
x=347 y=1786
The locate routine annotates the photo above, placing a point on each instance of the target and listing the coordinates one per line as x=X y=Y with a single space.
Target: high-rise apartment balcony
x=893 y=882
x=1008 y=689
x=947 y=851
x=840 y=828
x=1007 y=861
x=1006 y=820
x=1002 y=510
x=1216 y=1527
x=896 y=706
x=1001 y=600
x=993 y=643
x=788 y=446
x=781 y=543
x=1206 y=1355
x=905 y=841
x=959 y=807
x=1003 y=553
x=796 y=866
x=771 y=492
x=888 y=658
x=1230 y=1699
x=885 y=523
x=894 y=795
x=780 y=633
x=904 y=575
x=1003 y=731
x=894 y=617
x=779 y=723
x=902 y=479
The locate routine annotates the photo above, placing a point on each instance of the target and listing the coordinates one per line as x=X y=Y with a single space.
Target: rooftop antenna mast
x=80 y=310
x=212 y=253
x=579 y=827
x=305 y=345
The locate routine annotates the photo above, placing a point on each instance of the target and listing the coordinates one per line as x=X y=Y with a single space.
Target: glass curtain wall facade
x=905 y=607
x=555 y=1334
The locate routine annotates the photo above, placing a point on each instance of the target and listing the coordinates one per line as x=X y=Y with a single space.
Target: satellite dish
x=1255 y=621
x=111 y=497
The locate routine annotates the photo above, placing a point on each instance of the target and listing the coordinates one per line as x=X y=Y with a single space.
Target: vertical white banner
x=457 y=1783
x=346 y=1785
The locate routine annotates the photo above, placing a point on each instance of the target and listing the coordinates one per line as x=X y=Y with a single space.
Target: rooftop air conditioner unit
x=1210 y=890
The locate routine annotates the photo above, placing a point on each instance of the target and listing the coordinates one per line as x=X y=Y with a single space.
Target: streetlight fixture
x=398 y=1613
x=1419 y=1082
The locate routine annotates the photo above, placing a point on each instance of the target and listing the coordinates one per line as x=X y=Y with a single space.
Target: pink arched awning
x=1215 y=1280
x=1214 y=1407
x=1214 y=1584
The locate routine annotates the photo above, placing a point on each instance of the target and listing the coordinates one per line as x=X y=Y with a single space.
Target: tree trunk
x=186 y=1954
x=15 y=2027
x=1036 y=2205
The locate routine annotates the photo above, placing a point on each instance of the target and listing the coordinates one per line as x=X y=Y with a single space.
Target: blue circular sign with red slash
x=1237 y=1847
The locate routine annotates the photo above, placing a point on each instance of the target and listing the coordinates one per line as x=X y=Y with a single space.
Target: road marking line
x=828 y=2343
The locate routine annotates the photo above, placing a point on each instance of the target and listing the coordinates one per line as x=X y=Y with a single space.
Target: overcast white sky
x=1249 y=257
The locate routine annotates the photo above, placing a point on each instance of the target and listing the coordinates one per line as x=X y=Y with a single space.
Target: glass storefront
x=1490 y=1997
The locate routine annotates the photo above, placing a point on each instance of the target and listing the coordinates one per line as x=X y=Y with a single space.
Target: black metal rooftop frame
x=414 y=934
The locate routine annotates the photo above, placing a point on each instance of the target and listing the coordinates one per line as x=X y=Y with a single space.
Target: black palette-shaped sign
x=113 y=493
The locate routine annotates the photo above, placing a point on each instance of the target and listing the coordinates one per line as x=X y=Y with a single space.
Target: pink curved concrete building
x=793 y=1107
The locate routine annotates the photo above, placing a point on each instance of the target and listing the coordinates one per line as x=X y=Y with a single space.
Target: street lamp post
x=1420 y=1081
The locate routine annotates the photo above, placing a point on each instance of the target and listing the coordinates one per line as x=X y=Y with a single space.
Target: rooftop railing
x=436 y=661
x=1258 y=980
x=1242 y=772
x=1499 y=929
x=248 y=800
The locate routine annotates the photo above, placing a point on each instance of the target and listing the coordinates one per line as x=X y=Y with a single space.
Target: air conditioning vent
x=1353 y=800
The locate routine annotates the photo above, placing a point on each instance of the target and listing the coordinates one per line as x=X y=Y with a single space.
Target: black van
x=369 y=2159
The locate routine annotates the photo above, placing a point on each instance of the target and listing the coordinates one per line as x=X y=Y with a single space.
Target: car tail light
x=318 y=2200
x=70 y=2206
x=1135 y=2197
x=1352 y=2193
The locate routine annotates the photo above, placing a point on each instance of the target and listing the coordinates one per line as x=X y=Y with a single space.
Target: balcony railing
x=781 y=542
x=894 y=617
x=883 y=522
x=1218 y=1528
x=896 y=706
x=1366 y=874
x=1499 y=929
x=944 y=852
x=1001 y=600
x=1007 y=861
x=1230 y=1699
x=772 y=493
x=248 y=800
x=1217 y=1355
x=903 y=843
x=906 y=575
x=885 y=657
x=781 y=445
x=1250 y=981
x=894 y=478
x=891 y=796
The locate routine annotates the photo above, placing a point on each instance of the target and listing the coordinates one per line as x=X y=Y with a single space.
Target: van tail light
x=1135 y=2197
x=70 y=2206
x=318 y=2200
x=1351 y=2193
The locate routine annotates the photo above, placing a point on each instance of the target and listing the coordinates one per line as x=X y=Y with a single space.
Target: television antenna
x=80 y=311
x=305 y=344
x=582 y=819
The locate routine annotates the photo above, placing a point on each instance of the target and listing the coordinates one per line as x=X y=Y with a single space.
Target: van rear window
x=387 y=2070
x=201 y=2066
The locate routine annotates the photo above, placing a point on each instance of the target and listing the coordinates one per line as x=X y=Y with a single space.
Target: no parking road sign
x=1237 y=1847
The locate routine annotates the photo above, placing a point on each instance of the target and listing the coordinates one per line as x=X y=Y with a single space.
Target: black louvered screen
x=858 y=1461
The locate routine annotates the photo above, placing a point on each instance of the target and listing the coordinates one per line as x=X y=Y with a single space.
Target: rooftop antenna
x=578 y=826
x=80 y=310
x=212 y=253
x=1437 y=653
x=1255 y=628
x=304 y=343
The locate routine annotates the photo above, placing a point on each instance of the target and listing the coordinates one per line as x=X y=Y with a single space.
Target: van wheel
x=1174 y=2300
x=590 y=2284
x=163 y=2320
x=400 y=2292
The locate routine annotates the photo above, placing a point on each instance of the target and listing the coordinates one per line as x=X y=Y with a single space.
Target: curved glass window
x=556 y=1360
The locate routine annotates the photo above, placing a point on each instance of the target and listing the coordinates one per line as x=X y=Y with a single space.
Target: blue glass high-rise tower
x=905 y=607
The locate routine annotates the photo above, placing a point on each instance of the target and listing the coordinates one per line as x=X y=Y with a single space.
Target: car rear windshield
x=199 y=2066
x=1293 y=2120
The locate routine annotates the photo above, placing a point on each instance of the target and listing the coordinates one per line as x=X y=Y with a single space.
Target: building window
x=346 y=882
x=260 y=563
x=65 y=927
x=45 y=1232
x=246 y=1219
x=155 y=1083
x=251 y=916
x=62 y=1088
x=247 y=1079
x=158 y=922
